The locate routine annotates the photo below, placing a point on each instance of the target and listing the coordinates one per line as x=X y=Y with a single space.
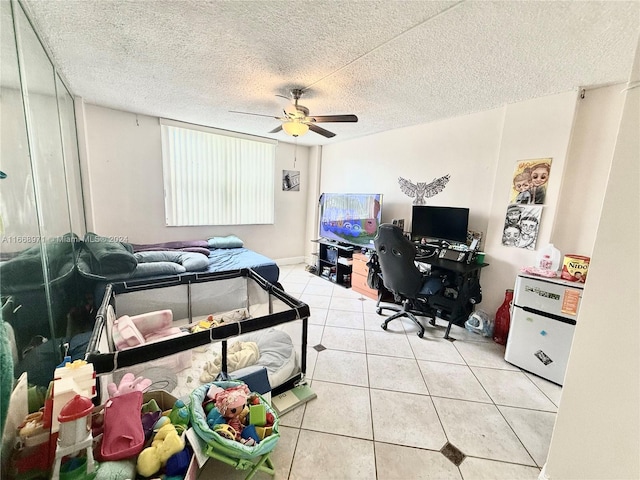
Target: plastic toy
x=74 y=378
x=225 y=430
x=75 y=432
x=258 y=415
x=179 y=414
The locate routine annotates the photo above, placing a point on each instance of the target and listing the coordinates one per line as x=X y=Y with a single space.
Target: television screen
x=350 y=217
x=439 y=223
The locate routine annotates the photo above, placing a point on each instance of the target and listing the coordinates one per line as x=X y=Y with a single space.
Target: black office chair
x=396 y=255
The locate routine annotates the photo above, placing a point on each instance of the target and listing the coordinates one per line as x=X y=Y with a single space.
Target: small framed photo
x=291 y=180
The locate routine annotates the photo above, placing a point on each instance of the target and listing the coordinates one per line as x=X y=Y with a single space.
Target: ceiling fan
x=296 y=120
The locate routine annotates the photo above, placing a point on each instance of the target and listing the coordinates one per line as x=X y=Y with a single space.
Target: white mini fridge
x=543 y=318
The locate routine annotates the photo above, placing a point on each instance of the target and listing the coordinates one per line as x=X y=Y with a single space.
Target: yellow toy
x=166 y=443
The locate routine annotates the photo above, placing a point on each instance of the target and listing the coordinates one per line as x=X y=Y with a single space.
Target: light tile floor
x=390 y=404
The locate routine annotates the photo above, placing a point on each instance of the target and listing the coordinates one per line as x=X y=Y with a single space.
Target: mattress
x=220 y=260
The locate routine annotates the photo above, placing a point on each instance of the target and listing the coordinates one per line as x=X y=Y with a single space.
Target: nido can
x=574 y=268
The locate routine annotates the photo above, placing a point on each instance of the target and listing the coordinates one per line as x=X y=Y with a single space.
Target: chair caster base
x=421 y=334
x=384 y=326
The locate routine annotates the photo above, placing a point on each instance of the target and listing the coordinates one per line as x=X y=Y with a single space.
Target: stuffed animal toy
x=166 y=443
x=232 y=405
x=128 y=383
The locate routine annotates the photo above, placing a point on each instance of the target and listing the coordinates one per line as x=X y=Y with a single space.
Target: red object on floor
x=503 y=319
x=33 y=460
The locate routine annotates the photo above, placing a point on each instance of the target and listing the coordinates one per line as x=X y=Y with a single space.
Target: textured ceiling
x=392 y=63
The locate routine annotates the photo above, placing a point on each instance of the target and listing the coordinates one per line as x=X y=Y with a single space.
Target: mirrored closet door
x=44 y=303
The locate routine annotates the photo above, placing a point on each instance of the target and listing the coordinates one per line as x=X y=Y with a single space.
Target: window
x=216 y=177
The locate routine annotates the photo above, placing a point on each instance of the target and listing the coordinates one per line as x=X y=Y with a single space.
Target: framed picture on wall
x=529 y=183
x=521 y=226
x=291 y=180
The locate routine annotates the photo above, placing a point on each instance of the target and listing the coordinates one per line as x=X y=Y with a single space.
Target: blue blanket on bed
x=224 y=259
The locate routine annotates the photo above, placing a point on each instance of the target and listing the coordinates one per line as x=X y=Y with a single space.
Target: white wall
x=538 y=128
x=125 y=191
x=313 y=211
x=479 y=151
x=597 y=431
x=122 y=173
x=466 y=148
x=583 y=187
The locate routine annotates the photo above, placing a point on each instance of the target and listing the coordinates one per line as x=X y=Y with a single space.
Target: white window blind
x=215 y=178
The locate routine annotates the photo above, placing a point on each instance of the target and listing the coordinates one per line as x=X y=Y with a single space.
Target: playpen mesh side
x=198 y=300
x=224 y=446
x=189 y=303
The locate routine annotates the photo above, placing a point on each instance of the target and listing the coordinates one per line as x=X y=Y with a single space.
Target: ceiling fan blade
x=334 y=118
x=321 y=131
x=277 y=129
x=255 y=114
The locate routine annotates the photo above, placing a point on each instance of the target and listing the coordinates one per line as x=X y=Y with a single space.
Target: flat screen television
x=351 y=218
x=439 y=223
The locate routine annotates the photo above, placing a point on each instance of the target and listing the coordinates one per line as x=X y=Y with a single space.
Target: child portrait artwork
x=529 y=183
x=521 y=225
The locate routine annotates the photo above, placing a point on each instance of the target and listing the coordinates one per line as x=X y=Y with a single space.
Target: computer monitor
x=439 y=223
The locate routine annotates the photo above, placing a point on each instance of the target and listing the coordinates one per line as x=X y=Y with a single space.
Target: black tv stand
x=334 y=262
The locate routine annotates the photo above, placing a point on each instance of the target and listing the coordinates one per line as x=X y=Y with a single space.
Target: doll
x=232 y=405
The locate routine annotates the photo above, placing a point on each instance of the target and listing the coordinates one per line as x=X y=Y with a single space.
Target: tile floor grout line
x=435 y=409
x=518 y=437
x=500 y=412
x=526 y=374
x=413 y=352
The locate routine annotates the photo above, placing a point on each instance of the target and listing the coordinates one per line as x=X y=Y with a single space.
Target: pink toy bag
x=123 y=434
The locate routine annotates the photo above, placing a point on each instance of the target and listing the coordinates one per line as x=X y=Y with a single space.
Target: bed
x=221 y=260
x=104 y=261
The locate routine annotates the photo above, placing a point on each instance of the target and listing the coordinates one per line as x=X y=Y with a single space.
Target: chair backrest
x=396 y=254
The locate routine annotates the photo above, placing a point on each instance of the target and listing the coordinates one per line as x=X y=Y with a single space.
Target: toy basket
x=217 y=444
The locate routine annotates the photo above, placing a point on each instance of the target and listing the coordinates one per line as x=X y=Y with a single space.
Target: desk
x=461 y=291
x=461 y=268
x=457 y=300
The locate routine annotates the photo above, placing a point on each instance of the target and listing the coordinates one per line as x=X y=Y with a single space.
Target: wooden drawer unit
x=359 y=276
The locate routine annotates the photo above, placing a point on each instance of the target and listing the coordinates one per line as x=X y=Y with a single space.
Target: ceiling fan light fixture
x=295 y=129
